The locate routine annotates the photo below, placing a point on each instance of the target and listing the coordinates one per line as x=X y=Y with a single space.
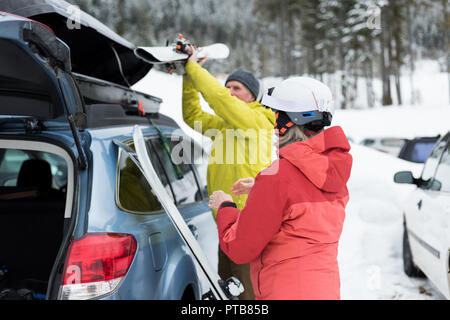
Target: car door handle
x=194 y=230
x=419 y=204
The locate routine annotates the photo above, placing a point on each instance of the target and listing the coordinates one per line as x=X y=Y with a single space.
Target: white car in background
x=426 y=237
x=388 y=145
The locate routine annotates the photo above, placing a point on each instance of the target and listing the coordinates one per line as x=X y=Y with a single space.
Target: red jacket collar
x=324 y=159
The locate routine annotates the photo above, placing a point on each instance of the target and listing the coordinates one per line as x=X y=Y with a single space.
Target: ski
x=219 y=289
x=176 y=52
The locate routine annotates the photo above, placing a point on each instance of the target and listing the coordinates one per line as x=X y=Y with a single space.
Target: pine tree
x=363 y=28
x=327 y=39
x=446 y=48
x=280 y=18
x=385 y=39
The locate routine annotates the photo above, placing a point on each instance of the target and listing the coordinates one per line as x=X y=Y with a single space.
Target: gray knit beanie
x=247 y=79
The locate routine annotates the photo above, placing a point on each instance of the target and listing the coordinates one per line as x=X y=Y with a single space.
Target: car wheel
x=188 y=294
x=409 y=266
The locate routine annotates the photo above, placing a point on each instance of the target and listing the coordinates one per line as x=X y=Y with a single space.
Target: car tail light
x=95 y=265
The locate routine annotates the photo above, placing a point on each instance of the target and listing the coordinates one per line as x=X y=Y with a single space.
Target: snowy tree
x=362 y=29
x=280 y=20
x=337 y=41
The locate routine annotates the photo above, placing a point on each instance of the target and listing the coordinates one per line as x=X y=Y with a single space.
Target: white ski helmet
x=303 y=99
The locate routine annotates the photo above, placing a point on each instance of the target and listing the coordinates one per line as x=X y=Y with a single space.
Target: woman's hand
x=242 y=186
x=217 y=198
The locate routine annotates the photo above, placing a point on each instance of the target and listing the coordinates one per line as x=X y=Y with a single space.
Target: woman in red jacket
x=290 y=226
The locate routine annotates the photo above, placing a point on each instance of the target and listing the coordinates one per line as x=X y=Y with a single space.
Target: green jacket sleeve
x=192 y=111
x=231 y=109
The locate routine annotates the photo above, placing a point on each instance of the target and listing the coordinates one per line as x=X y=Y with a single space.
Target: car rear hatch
x=36 y=85
x=40 y=107
x=96 y=51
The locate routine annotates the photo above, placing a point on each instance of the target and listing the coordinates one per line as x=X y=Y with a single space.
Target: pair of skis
x=220 y=289
x=169 y=56
x=178 y=52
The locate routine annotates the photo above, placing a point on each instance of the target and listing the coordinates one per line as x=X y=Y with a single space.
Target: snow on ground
x=370 y=248
x=395 y=121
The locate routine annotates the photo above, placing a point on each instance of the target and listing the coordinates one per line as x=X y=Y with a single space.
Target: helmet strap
x=283 y=123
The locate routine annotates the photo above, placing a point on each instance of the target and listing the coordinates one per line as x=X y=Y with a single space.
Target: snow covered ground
x=370 y=252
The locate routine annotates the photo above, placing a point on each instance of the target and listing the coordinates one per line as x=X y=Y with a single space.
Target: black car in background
x=418 y=149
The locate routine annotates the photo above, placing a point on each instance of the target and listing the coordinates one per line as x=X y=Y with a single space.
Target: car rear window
x=421 y=151
x=12 y=162
x=393 y=142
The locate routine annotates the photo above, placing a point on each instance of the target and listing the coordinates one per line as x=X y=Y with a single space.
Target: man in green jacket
x=241 y=131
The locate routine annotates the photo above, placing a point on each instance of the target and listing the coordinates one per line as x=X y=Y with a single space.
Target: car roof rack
x=108 y=115
x=109 y=104
x=97 y=91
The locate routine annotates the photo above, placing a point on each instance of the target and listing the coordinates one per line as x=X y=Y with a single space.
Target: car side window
x=431 y=164
x=442 y=177
x=187 y=151
x=186 y=189
x=134 y=193
x=161 y=163
x=368 y=142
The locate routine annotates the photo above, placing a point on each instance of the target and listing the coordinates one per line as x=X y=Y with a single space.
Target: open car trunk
x=34 y=206
x=95 y=50
x=36 y=172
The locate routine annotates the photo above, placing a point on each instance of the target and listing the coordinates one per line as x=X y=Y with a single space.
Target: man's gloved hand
x=193 y=55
